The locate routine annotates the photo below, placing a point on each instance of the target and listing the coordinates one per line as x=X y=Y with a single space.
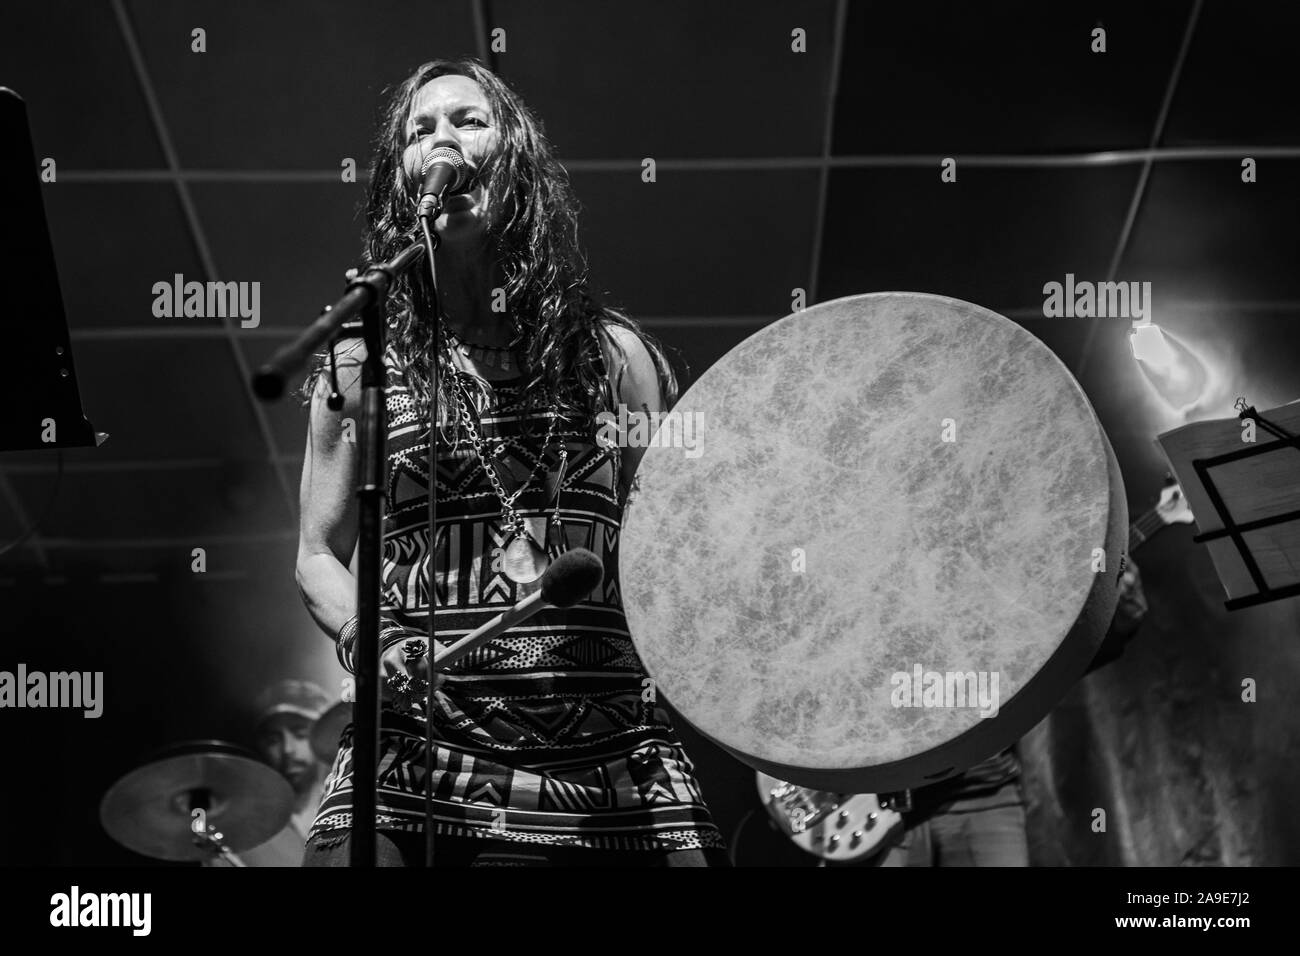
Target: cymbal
x=149 y=809
x=328 y=728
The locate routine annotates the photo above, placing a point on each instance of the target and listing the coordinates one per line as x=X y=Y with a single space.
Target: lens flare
x=1178 y=376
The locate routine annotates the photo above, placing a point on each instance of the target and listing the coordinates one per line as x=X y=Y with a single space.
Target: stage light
x=1172 y=369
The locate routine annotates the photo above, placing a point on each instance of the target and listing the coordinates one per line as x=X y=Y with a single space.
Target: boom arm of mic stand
x=370 y=287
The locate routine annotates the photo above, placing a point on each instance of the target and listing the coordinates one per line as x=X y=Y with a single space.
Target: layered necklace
x=524 y=559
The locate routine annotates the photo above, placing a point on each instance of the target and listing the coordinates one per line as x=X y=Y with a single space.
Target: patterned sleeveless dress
x=550 y=734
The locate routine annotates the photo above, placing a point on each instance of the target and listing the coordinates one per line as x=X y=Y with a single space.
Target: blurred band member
x=286 y=713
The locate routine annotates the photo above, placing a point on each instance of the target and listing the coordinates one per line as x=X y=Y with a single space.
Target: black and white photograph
x=516 y=434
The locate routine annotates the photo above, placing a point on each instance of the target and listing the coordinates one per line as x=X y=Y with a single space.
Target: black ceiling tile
x=17 y=568
x=696 y=348
x=167 y=398
x=699 y=243
x=1066 y=337
x=233 y=497
x=995 y=237
x=112 y=243
x=1238 y=83
x=294 y=239
x=1203 y=233
x=287 y=85
x=10 y=524
x=671 y=79
x=954 y=77
x=68 y=61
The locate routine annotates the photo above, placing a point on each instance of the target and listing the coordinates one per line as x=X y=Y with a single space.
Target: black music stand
x=1286 y=442
x=40 y=382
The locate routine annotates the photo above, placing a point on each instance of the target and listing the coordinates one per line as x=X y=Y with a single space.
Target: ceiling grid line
x=828 y=137
x=729 y=164
x=1157 y=133
x=11 y=498
x=1144 y=175
x=201 y=245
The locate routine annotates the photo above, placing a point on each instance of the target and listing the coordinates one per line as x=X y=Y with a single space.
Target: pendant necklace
x=524 y=559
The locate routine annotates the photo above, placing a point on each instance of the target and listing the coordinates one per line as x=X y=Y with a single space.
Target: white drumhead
x=880 y=483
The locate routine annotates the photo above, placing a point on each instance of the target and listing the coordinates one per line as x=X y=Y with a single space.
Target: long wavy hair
x=533 y=234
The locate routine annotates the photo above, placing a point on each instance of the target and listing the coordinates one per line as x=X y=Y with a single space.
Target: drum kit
x=893 y=489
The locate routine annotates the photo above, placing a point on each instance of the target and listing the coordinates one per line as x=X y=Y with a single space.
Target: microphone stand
x=366 y=294
x=427 y=214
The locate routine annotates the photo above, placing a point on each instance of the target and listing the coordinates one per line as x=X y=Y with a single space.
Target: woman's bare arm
x=635 y=380
x=328 y=530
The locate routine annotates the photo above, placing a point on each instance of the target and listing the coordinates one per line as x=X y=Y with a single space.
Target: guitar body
x=842 y=827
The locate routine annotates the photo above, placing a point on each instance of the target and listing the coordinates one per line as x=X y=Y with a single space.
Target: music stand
x=39 y=387
x=1246 y=499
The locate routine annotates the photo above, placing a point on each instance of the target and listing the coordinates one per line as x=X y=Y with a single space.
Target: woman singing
x=549 y=745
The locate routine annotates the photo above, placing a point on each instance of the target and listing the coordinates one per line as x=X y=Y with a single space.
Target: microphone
x=573 y=576
x=444 y=170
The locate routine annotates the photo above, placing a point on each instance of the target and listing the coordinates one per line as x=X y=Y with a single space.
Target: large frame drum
x=898 y=501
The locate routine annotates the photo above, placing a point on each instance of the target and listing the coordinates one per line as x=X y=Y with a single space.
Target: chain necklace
x=524 y=559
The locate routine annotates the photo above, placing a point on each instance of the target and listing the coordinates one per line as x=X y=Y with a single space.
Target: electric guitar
x=854 y=826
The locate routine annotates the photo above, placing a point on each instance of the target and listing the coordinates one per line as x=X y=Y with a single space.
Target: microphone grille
x=444 y=154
